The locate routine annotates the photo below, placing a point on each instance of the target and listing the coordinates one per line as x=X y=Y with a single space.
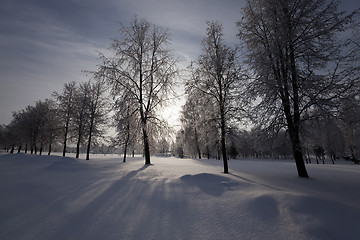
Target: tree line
x=293 y=79
x=77 y=115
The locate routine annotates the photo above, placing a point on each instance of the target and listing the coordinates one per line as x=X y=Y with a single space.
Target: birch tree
x=142 y=68
x=216 y=77
x=297 y=61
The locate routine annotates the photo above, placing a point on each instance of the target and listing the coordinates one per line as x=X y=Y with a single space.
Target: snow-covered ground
x=51 y=197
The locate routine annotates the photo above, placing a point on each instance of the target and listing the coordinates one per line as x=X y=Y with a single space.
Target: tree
x=296 y=61
x=47 y=123
x=97 y=112
x=81 y=115
x=216 y=77
x=65 y=107
x=126 y=123
x=191 y=120
x=2 y=136
x=35 y=125
x=143 y=70
x=349 y=119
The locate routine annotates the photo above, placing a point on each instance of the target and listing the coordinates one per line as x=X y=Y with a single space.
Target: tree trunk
x=296 y=127
x=89 y=140
x=78 y=147
x=197 y=144
x=146 y=146
x=297 y=151
x=49 y=149
x=65 y=137
x=41 y=149
x=19 y=149
x=223 y=146
x=125 y=148
x=294 y=132
x=26 y=146
x=126 y=140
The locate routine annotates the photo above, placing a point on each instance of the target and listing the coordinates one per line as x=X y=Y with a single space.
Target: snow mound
x=51 y=197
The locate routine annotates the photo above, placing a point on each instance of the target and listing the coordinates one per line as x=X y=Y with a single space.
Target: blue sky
x=46 y=43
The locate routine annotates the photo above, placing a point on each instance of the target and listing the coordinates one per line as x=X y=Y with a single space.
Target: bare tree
x=97 y=107
x=143 y=68
x=291 y=48
x=65 y=107
x=47 y=123
x=191 y=120
x=126 y=123
x=81 y=115
x=216 y=76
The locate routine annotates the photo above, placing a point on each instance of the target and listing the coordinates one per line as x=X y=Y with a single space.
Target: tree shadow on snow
x=326 y=218
x=211 y=184
x=256 y=183
x=105 y=204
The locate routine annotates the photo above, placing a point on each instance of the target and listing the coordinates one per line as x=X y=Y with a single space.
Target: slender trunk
x=197 y=144
x=89 y=140
x=65 y=136
x=126 y=140
x=19 y=149
x=49 y=149
x=41 y=149
x=78 y=146
x=12 y=149
x=26 y=146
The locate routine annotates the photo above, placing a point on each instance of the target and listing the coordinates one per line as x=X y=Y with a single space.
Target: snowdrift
x=51 y=197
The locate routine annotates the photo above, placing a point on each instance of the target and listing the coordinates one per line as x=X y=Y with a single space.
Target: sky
x=47 y=43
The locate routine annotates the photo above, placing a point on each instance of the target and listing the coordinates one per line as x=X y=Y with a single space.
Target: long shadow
x=211 y=184
x=77 y=223
x=256 y=183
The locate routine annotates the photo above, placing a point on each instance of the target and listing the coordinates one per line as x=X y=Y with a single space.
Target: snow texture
x=52 y=197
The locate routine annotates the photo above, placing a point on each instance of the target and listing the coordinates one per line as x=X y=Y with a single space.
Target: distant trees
x=46 y=123
x=216 y=78
x=141 y=72
x=79 y=113
x=296 y=60
x=192 y=119
x=34 y=126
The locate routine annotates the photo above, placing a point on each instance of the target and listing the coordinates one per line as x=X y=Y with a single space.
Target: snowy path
x=62 y=198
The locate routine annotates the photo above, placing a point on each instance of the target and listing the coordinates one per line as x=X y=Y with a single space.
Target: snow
x=51 y=197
